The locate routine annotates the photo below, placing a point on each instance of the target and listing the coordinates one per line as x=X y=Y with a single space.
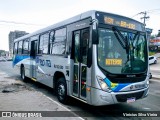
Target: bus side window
x=59 y=44
x=26 y=46
x=51 y=41
x=43 y=43
x=15 y=48
x=20 y=47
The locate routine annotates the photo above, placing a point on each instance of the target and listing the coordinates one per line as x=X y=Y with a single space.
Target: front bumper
x=99 y=97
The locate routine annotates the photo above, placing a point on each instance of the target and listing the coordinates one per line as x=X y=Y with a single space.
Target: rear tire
x=23 y=73
x=61 y=91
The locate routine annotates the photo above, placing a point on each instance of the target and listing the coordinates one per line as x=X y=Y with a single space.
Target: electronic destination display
x=120 y=21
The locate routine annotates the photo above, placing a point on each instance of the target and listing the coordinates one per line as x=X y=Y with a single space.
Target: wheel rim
x=61 y=91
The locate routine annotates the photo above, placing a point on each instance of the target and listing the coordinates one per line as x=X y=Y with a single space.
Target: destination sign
x=121 y=23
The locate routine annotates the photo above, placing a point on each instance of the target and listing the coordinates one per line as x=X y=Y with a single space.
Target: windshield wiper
x=115 y=29
x=126 y=44
x=123 y=43
x=137 y=34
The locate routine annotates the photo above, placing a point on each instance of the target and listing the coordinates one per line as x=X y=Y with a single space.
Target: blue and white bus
x=96 y=57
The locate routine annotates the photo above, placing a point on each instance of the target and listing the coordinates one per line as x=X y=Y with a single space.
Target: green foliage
x=152 y=53
x=158 y=34
x=153 y=36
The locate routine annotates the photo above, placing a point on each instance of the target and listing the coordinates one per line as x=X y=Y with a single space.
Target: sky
x=37 y=14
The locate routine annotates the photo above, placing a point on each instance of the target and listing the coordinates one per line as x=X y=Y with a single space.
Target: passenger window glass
x=51 y=41
x=20 y=47
x=58 y=45
x=15 y=48
x=43 y=45
x=26 y=46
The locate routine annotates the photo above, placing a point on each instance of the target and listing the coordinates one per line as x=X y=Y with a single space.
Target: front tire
x=62 y=91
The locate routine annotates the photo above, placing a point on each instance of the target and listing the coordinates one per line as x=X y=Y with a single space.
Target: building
x=13 y=35
x=155 y=41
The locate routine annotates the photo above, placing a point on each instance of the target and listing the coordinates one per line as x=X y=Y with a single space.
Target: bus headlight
x=103 y=85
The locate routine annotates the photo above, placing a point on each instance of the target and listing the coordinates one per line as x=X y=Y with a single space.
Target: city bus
x=96 y=57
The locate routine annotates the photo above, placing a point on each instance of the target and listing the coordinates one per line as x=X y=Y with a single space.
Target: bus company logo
x=6 y=114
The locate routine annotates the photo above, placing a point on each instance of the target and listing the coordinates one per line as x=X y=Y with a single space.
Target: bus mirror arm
x=94 y=26
x=53 y=38
x=95 y=37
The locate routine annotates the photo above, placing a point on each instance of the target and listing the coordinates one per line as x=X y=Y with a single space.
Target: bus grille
x=123 y=97
x=123 y=79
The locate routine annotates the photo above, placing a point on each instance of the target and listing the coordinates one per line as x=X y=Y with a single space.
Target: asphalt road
x=155 y=69
x=150 y=103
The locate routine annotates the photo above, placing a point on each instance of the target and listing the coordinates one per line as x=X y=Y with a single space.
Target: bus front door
x=80 y=49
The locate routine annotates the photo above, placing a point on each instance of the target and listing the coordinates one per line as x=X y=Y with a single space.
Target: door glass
x=33 y=56
x=33 y=48
x=76 y=63
x=76 y=49
x=85 y=37
x=83 y=81
x=84 y=49
x=75 y=81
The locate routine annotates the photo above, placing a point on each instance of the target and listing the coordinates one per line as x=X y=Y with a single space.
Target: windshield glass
x=122 y=52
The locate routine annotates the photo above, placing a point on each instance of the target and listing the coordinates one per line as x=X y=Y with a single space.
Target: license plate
x=130 y=100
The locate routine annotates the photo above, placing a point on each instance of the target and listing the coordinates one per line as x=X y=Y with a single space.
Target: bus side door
x=33 y=52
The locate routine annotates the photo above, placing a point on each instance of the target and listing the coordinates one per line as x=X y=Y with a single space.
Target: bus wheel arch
x=60 y=86
x=56 y=77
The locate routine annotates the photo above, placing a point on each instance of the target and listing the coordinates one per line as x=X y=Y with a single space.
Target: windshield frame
x=137 y=33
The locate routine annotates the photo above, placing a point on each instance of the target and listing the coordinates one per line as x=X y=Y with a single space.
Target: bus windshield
x=122 y=52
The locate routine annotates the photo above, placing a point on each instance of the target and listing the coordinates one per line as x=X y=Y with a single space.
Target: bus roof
x=91 y=13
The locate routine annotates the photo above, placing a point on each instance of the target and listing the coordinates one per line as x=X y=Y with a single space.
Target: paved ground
x=28 y=98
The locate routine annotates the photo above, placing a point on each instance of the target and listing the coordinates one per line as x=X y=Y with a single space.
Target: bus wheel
x=23 y=73
x=62 y=90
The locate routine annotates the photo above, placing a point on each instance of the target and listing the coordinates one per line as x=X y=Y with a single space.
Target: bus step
x=34 y=79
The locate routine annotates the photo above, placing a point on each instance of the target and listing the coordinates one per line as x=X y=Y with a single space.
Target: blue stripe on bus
x=115 y=87
x=19 y=58
x=120 y=86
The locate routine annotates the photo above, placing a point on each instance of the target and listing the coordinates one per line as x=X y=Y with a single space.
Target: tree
x=153 y=36
x=158 y=34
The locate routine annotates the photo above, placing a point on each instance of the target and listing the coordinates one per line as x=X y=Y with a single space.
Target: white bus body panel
x=47 y=65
